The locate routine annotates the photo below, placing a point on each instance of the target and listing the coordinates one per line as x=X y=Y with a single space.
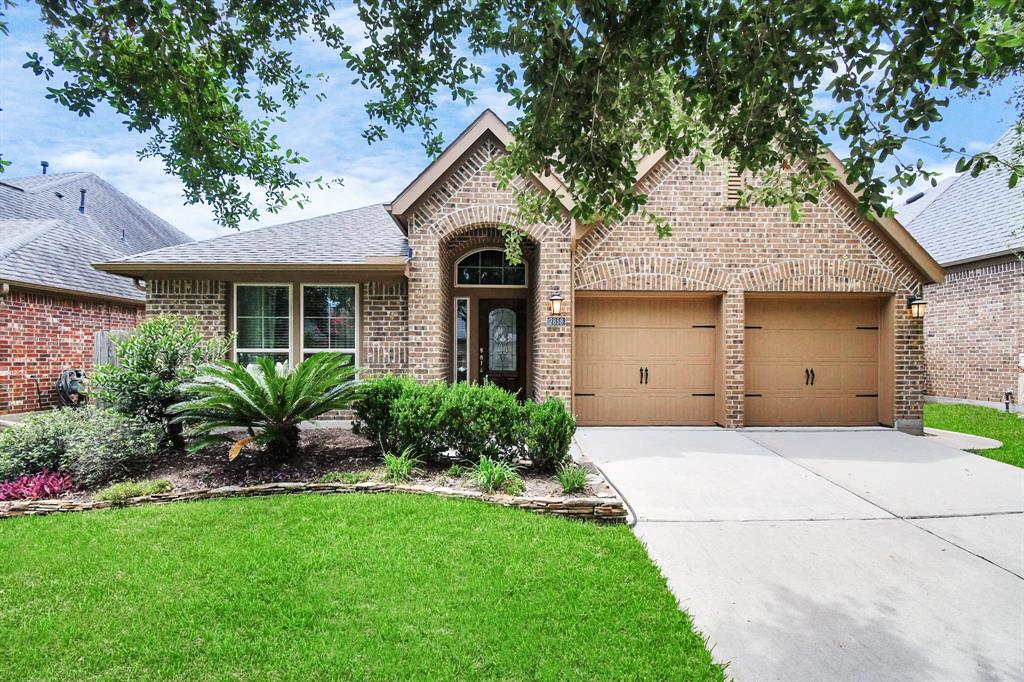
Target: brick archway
x=640 y=273
x=824 y=275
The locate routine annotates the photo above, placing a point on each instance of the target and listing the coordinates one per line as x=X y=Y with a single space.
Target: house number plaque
x=556 y=321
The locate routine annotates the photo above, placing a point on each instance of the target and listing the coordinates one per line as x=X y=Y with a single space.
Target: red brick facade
x=42 y=334
x=974 y=331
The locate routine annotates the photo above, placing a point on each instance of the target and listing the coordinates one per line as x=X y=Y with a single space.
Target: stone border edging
x=607 y=510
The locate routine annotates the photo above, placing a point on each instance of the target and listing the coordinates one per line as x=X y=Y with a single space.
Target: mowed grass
x=982 y=421
x=335 y=587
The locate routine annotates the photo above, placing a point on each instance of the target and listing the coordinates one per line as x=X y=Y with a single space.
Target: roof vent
x=81 y=202
x=915 y=197
x=45 y=165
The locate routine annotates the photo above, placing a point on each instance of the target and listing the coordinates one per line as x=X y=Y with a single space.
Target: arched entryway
x=490 y=305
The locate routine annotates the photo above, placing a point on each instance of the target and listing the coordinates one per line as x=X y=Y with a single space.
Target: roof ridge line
x=29 y=236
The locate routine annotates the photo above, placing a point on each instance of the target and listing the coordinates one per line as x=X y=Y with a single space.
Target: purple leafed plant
x=35 y=487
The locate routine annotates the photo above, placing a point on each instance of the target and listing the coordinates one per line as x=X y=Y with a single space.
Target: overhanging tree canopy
x=600 y=83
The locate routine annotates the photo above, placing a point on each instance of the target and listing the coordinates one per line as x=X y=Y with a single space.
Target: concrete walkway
x=831 y=554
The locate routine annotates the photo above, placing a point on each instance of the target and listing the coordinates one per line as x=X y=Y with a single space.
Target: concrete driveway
x=831 y=554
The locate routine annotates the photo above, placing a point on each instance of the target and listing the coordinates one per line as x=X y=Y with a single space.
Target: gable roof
x=486 y=123
x=973 y=218
x=47 y=243
x=357 y=237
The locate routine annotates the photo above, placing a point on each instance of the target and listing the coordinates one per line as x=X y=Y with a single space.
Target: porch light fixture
x=916 y=305
x=556 y=302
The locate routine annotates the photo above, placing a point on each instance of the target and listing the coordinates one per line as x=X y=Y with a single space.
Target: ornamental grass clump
x=267 y=399
x=572 y=477
x=496 y=476
x=400 y=468
x=347 y=477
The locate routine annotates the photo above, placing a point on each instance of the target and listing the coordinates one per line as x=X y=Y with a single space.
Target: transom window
x=329 y=320
x=489 y=268
x=262 y=322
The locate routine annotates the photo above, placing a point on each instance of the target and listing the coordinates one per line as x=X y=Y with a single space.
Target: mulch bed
x=323 y=450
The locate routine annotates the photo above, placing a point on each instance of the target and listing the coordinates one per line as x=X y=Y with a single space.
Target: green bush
x=572 y=477
x=119 y=492
x=419 y=426
x=266 y=399
x=91 y=445
x=549 y=434
x=156 y=360
x=482 y=421
x=495 y=475
x=455 y=471
x=375 y=420
x=349 y=477
x=473 y=421
x=400 y=468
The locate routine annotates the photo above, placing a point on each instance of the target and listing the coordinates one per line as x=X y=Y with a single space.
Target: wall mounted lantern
x=916 y=305
x=556 y=302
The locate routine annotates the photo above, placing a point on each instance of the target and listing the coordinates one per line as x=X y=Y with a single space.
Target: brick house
x=740 y=317
x=974 y=329
x=52 y=301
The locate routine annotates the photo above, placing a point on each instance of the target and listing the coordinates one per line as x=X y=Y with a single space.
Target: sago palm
x=266 y=399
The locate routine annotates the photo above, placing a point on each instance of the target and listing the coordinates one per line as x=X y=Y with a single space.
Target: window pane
x=250 y=301
x=250 y=332
x=515 y=275
x=314 y=333
x=491 y=259
x=490 y=275
x=249 y=358
x=469 y=275
x=275 y=333
x=501 y=324
x=275 y=301
x=330 y=317
x=461 y=340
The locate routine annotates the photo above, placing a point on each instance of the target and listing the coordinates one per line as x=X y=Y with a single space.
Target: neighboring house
x=741 y=316
x=52 y=301
x=974 y=328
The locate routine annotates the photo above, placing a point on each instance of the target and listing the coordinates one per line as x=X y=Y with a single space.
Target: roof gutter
x=140 y=270
x=14 y=285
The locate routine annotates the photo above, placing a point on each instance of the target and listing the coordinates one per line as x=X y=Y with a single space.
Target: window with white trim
x=489 y=268
x=330 y=319
x=461 y=345
x=262 y=322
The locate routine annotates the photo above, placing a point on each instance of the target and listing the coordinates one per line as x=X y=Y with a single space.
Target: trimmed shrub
x=482 y=421
x=92 y=445
x=41 y=486
x=38 y=442
x=156 y=360
x=549 y=434
x=572 y=477
x=119 y=492
x=375 y=419
x=494 y=475
x=419 y=425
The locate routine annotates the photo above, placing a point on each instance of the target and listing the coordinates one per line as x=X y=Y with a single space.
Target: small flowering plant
x=39 y=486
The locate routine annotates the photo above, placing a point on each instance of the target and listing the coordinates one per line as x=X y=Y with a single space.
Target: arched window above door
x=489 y=268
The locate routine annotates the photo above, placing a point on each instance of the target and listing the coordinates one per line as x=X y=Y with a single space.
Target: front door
x=501 y=351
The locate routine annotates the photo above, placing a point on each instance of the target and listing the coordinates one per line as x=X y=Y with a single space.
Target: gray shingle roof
x=45 y=240
x=345 y=238
x=971 y=218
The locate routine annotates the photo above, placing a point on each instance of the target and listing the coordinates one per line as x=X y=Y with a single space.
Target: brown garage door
x=811 y=362
x=644 y=361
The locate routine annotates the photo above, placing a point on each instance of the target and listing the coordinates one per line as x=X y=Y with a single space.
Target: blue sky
x=34 y=129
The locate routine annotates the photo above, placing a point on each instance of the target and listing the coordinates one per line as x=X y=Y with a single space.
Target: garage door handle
x=807 y=377
x=812 y=376
x=641 y=376
x=646 y=376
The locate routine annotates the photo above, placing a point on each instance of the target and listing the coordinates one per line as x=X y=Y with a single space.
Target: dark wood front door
x=501 y=341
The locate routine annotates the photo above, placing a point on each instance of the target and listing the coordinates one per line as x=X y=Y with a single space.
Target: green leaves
x=600 y=85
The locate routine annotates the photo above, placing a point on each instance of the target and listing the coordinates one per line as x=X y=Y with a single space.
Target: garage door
x=644 y=361
x=811 y=362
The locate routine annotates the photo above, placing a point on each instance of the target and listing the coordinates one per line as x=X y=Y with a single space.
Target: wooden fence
x=104 y=352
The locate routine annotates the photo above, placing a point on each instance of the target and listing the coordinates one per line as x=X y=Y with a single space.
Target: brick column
x=732 y=339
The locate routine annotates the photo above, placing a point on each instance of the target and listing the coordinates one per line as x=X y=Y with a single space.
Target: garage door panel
x=674 y=339
x=837 y=338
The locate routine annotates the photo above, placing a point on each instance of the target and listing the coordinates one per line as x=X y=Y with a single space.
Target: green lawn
x=982 y=421
x=354 y=587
